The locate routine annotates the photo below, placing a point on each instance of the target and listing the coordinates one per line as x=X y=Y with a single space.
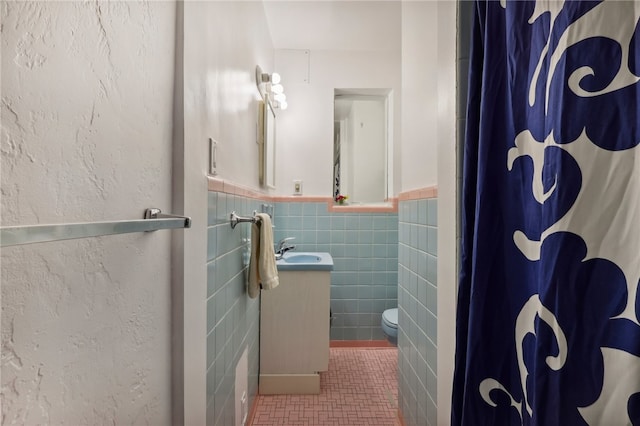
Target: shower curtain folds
x=548 y=329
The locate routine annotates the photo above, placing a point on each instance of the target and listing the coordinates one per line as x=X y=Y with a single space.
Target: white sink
x=305 y=261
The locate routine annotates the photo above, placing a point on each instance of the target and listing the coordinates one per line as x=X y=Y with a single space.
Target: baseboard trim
x=360 y=344
x=252 y=412
x=400 y=418
x=289 y=384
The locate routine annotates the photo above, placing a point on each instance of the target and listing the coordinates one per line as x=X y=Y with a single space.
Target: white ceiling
x=334 y=25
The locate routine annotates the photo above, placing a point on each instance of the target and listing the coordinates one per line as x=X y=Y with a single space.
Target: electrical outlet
x=297 y=187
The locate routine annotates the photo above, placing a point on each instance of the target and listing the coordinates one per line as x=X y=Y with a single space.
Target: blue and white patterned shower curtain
x=548 y=329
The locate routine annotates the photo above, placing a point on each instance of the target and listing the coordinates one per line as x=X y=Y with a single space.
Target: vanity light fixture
x=270 y=88
x=280 y=101
x=277 y=96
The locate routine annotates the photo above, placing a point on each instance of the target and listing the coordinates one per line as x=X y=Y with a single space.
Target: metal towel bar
x=234 y=219
x=153 y=220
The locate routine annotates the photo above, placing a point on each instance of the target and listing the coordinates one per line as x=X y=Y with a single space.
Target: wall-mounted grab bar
x=234 y=219
x=153 y=220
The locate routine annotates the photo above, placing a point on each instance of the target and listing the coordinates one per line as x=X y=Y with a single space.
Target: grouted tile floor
x=360 y=388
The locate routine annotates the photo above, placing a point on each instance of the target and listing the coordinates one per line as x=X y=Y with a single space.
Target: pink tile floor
x=360 y=388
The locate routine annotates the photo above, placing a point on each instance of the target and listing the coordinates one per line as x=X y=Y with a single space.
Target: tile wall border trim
x=419 y=194
x=227 y=187
x=221 y=185
x=300 y=199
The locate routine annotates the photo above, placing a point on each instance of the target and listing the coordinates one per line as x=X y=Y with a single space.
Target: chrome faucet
x=284 y=246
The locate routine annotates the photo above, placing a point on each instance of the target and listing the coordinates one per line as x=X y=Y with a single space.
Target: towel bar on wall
x=234 y=219
x=153 y=220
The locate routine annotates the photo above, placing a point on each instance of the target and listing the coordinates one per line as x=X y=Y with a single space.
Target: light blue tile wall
x=232 y=317
x=417 y=311
x=364 y=247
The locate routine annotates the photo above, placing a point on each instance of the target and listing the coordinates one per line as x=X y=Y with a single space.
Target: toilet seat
x=390 y=318
x=390 y=325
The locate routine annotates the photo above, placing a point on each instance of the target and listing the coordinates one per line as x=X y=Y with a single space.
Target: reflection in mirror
x=361 y=145
x=267 y=145
x=272 y=94
x=270 y=146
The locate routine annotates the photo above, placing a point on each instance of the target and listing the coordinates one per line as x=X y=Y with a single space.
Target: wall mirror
x=271 y=93
x=267 y=144
x=361 y=145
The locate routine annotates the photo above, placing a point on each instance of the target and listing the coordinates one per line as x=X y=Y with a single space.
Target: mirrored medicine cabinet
x=362 y=145
x=266 y=134
x=266 y=144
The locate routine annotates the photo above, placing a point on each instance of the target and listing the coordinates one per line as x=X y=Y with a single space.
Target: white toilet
x=390 y=325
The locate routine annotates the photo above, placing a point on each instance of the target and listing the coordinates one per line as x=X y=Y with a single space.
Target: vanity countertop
x=305 y=261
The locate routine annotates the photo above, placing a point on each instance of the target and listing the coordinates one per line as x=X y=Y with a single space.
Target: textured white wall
x=86 y=135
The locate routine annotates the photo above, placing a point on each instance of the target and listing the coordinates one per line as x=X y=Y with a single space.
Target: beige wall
x=223 y=43
x=429 y=152
x=447 y=204
x=420 y=95
x=304 y=131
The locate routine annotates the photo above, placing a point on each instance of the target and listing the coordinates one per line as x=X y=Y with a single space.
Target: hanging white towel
x=263 y=272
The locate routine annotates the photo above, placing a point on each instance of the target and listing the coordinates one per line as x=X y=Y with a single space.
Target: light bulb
x=280 y=97
x=275 y=78
x=283 y=105
x=277 y=88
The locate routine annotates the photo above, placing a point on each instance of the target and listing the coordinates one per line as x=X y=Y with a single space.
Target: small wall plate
x=213 y=166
